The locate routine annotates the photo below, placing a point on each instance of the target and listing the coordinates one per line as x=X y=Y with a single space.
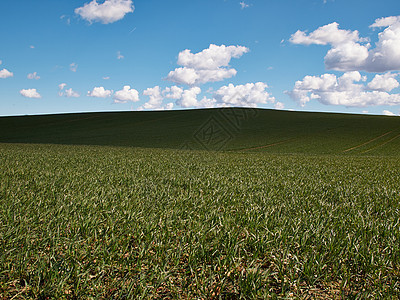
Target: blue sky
x=62 y=56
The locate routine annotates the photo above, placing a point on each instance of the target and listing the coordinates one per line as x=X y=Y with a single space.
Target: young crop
x=124 y=223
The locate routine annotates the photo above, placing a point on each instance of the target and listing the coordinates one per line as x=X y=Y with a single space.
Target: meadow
x=275 y=222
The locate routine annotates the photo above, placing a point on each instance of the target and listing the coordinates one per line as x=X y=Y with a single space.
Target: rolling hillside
x=229 y=129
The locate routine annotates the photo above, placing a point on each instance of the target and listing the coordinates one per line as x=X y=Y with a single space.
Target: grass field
x=231 y=129
x=308 y=207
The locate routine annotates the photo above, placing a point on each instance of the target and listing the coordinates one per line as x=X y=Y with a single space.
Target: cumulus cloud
x=384 y=83
x=350 y=52
x=6 y=74
x=209 y=65
x=126 y=94
x=388 y=113
x=345 y=90
x=108 y=12
x=279 y=105
x=211 y=58
x=173 y=92
x=189 y=98
x=247 y=95
x=191 y=76
x=30 y=93
x=155 y=100
x=386 y=21
x=328 y=34
x=73 y=67
x=100 y=92
x=69 y=93
x=33 y=75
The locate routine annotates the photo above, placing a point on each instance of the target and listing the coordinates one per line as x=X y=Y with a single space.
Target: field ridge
x=227 y=129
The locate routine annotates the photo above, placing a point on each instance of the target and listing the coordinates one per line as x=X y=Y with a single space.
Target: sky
x=59 y=56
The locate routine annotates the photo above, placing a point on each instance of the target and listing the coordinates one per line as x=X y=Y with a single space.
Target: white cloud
x=100 y=92
x=168 y=106
x=108 y=12
x=32 y=47
x=73 y=67
x=126 y=94
x=243 y=5
x=155 y=99
x=33 y=75
x=349 y=52
x=119 y=55
x=211 y=58
x=191 y=76
x=279 y=105
x=384 y=83
x=248 y=95
x=106 y=77
x=185 y=98
x=385 y=22
x=71 y=93
x=328 y=34
x=209 y=65
x=189 y=98
x=173 y=92
x=345 y=90
x=30 y=93
x=5 y=73
x=388 y=113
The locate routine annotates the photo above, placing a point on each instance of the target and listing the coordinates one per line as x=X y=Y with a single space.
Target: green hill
x=213 y=129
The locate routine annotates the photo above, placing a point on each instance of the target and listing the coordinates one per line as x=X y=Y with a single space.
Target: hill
x=238 y=129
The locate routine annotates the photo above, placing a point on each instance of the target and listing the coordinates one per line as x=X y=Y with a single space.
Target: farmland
x=308 y=207
x=234 y=129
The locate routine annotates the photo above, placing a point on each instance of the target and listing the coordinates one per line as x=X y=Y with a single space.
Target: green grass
x=280 y=131
x=101 y=222
x=111 y=206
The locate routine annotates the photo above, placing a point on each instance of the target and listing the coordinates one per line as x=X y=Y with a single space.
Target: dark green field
x=284 y=205
x=213 y=129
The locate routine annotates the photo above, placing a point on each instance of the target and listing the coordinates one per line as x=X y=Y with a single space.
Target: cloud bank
x=350 y=52
x=348 y=90
x=247 y=95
